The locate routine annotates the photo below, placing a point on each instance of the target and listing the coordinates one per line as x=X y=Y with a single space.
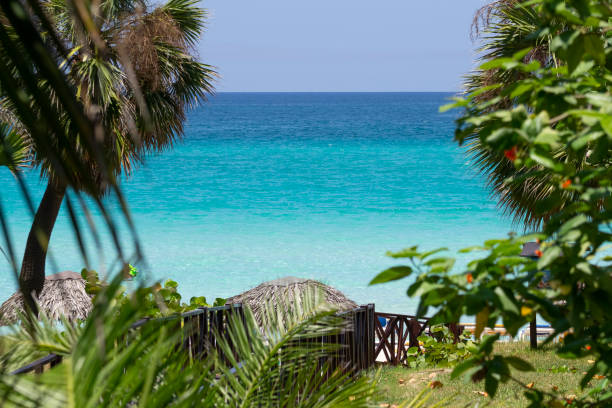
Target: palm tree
x=506 y=27
x=132 y=71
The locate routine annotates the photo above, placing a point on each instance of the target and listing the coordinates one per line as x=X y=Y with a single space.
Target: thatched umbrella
x=63 y=294
x=289 y=290
x=530 y=250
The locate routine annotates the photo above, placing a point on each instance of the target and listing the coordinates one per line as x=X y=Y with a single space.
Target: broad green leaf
x=545 y=160
x=404 y=253
x=472 y=249
x=434 y=251
x=392 y=274
x=482 y=318
x=548 y=137
x=582 y=141
x=519 y=55
x=507 y=304
x=491 y=385
x=582 y=68
x=511 y=260
x=499 y=134
x=442 y=264
x=594 y=46
x=462 y=368
x=496 y=63
x=421 y=288
x=606 y=124
x=574 y=222
x=459 y=103
x=548 y=256
x=519 y=363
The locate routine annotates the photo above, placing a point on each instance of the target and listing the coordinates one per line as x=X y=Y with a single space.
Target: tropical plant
x=107 y=364
x=131 y=70
x=440 y=349
x=565 y=106
x=505 y=28
x=13 y=149
x=285 y=341
x=159 y=300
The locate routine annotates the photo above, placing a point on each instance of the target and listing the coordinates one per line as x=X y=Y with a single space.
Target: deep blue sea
x=315 y=185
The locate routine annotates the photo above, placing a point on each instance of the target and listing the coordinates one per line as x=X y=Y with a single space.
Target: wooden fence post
x=533 y=334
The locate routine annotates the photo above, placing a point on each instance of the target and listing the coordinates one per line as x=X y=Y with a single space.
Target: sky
x=339 y=45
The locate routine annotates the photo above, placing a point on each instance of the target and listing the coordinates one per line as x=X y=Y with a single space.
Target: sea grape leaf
x=519 y=364
x=404 y=253
x=392 y=274
x=506 y=303
x=481 y=321
x=549 y=255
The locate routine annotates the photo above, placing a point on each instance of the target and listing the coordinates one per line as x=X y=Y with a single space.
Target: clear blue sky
x=339 y=45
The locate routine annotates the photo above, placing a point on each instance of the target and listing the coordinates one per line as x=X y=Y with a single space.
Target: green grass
x=551 y=371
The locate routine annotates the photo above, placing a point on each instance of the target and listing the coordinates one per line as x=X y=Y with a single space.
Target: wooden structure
x=356 y=342
x=202 y=329
x=399 y=334
x=532 y=250
x=361 y=343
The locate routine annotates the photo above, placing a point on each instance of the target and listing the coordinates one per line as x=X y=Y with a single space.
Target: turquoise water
x=310 y=185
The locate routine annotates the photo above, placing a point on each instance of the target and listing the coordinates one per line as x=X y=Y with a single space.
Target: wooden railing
x=40 y=365
x=361 y=343
x=355 y=351
x=201 y=330
x=399 y=333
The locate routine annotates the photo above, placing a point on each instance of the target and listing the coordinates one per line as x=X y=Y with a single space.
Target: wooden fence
x=399 y=333
x=202 y=329
x=355 y=341
x=363 y=342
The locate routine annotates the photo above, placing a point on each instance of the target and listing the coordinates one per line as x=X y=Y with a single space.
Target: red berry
x=510 y=153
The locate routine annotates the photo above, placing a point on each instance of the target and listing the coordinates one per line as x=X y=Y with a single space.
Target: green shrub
x=556 y=130
x=439 y=349
x=159 y=300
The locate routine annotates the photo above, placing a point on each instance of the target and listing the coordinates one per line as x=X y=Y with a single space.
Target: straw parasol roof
x=63 y=294
x=289 y=290
x=529 y=249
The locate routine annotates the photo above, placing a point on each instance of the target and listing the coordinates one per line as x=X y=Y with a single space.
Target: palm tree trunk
x=32 y=276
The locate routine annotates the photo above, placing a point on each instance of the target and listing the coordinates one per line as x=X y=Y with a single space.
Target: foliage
x=13 y=149
x=120 y=78
x=158 y=300
x=503 y=30
x=439 y=349
x=111 y=365
x=559 y=127
x=131 y=67
x=285 y=341
x=88 y=113
x=100 y=370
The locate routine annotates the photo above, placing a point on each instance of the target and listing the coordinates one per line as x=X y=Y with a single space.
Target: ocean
x=313 y=185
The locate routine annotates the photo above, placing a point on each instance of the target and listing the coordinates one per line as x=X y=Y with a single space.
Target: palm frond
x=14 y=148
x=283 y=364
x=112 y=365
x=506 y=27
x=188 y=17
x=109 y=364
